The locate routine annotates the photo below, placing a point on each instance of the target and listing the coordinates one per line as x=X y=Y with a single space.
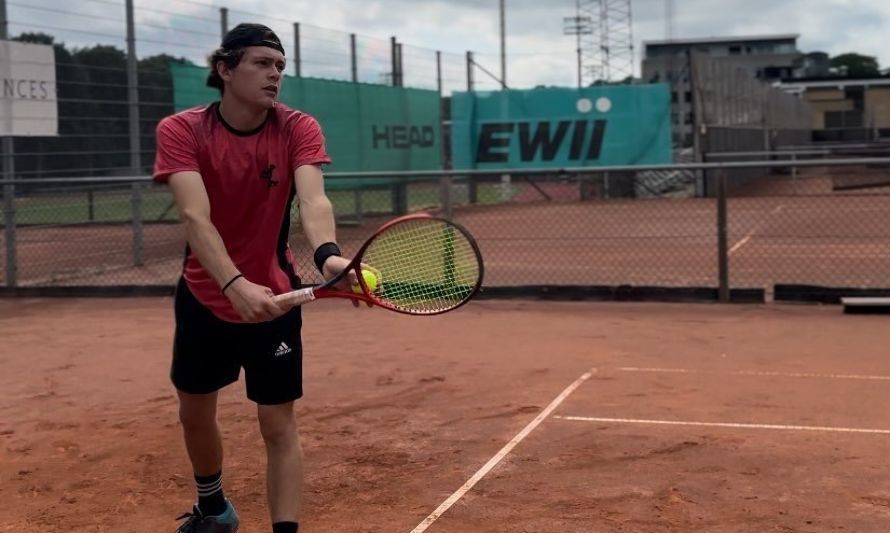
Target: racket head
x=425 y=265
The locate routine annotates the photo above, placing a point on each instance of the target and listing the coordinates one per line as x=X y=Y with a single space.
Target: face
x=257 y=79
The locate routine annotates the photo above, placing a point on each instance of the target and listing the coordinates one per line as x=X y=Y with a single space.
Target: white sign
x=28 y=101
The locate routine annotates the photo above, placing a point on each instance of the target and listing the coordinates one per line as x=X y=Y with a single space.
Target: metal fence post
x=722 y=238
x=7 y=154
x=4 y=21
x=445 y=185
x=297 y=60
x=136 y=208
x=133 y=93
x=9 y=225
x=401 y=69
x=223 y=22
x=400 y=198
x=353 y=57
x=472 y=189
x=357 y=205
x=439 y=72
x=394 y=61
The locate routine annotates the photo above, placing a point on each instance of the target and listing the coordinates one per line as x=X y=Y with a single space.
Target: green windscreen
x=367 y=127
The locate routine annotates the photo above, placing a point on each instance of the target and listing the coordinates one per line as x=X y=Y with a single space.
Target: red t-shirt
x=249 y=177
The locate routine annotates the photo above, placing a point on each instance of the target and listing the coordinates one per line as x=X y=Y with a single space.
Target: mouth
x=271 y=90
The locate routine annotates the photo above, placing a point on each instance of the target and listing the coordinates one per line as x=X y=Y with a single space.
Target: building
x=845 y=109
x=766 y=57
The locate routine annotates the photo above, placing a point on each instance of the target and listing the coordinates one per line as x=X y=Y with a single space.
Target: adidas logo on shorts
x=283 y=349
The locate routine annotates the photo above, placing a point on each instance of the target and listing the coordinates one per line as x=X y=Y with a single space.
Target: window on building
x=674 y=98
x=857 y=95
x=786 y=48
x=735 y=50
x=688 y=96
x=772 y=73
x=843 y=119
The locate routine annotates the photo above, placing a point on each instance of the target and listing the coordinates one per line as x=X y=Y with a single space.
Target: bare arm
x=203 y=238
x=253 y=302
x=317 y=216
x=316 y=211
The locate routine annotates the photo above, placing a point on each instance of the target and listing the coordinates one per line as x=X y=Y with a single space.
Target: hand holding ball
x=370 y=281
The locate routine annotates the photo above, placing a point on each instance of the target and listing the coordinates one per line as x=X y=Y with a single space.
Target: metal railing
x=579 y=232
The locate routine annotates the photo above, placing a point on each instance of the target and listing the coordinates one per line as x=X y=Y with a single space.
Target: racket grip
x=295 y=298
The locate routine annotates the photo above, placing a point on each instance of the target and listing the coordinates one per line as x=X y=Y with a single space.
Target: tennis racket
x=424 y=265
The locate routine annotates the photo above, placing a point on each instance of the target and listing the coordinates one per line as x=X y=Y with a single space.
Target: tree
x=853 y=65
x=93 y=110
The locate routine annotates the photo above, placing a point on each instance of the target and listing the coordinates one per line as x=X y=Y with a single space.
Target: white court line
x=751 y=233
x=741 y=243
x=724 y=425
x=755 y=373
x=428 y=521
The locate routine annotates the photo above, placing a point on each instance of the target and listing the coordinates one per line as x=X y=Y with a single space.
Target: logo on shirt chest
x=267 y=175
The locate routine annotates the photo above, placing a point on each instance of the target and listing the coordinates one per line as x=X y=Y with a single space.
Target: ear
x=224 y=71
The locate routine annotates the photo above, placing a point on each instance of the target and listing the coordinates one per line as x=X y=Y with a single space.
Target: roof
x=798 y=85
x=880 y=79
x=726 y=40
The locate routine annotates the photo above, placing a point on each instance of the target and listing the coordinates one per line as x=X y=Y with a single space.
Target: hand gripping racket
x=424 y=265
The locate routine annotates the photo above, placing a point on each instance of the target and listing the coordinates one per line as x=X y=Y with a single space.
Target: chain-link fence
x=99 y=132
x=825 y=225
x=593 y=228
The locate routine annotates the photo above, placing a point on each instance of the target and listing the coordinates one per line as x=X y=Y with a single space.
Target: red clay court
x=619 y=417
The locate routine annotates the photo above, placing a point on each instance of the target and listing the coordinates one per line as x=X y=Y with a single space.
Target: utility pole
x=578 y=26
x=503 y=44
x=669 y=20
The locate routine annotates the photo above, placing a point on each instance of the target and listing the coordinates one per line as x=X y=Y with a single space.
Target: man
x=234 y=168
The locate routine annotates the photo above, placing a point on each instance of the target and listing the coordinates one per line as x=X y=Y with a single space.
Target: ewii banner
x=562 y=127
x=28 y=103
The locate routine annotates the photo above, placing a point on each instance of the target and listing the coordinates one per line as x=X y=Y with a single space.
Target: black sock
x=285 y=527
x=211 y=501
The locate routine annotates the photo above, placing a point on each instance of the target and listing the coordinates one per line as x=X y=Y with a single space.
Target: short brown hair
x=230 y=57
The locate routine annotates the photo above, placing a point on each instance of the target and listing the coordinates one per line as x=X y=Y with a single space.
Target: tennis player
x=235 y=167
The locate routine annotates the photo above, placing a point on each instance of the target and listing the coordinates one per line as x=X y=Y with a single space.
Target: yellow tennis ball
x=370 y=281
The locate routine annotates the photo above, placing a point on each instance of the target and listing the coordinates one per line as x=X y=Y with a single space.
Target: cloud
x=537 y=50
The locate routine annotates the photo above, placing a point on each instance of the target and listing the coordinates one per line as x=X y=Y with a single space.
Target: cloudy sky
x=538 y=52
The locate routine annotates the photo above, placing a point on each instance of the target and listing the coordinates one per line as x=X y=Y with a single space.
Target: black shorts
x=208 y=353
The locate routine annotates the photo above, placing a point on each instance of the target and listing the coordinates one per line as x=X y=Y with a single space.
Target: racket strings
x=423 y=266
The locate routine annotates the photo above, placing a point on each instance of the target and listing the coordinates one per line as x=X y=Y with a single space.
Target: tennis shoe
x=227 y=522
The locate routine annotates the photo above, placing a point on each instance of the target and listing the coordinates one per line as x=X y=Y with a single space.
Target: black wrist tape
x=323 y=252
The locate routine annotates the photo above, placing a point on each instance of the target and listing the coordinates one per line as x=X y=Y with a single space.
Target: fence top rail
x=716 y=165
x=833 y=145
x=777 y=153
